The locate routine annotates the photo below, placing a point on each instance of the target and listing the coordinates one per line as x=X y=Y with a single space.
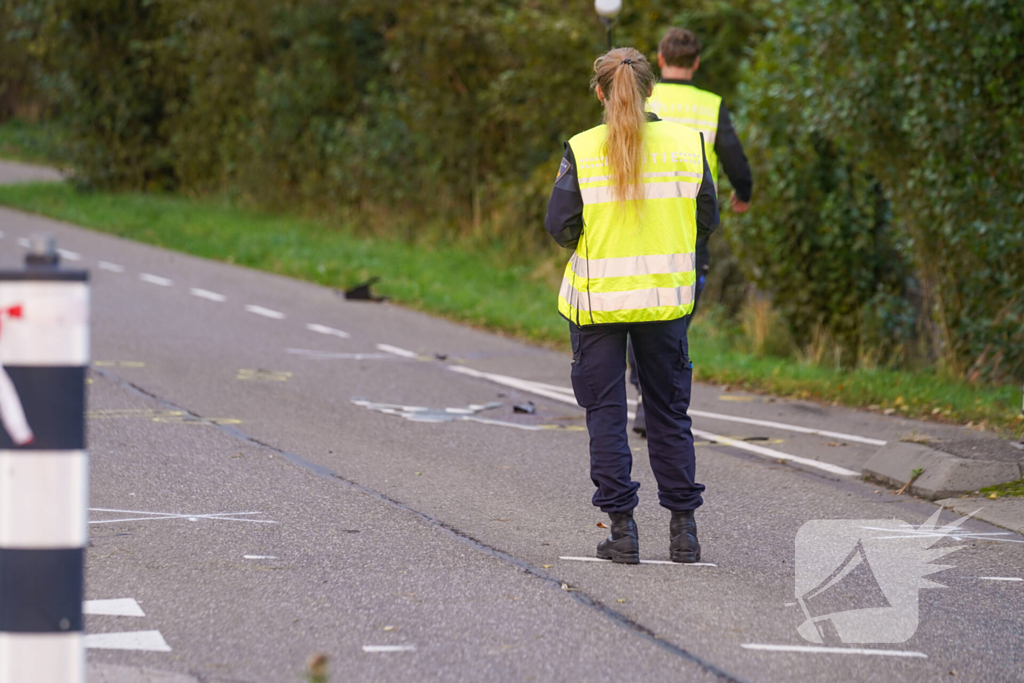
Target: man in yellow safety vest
x=676 y=99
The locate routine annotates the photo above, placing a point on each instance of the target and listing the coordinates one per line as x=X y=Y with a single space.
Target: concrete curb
x=109 y=673
x=944 y=475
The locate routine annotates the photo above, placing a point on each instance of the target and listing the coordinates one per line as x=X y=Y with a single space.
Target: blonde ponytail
x=626 y=79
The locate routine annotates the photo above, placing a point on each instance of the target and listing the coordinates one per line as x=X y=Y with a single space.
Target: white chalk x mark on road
x=812 y=649
x=150 y=641
x=147 y=516
x=265 y=312
x=674 y=564
x=564 y=395
x=120 y=607
x=423 y=414
x=156 y=280
x=110 y=267
x=404 y=353
x=389 y=648
x=208 y=295
x=323 y=329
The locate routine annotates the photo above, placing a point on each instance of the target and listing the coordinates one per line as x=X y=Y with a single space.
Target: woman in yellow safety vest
x=631 y=198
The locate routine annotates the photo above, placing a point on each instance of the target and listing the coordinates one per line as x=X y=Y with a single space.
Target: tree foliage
x=886 y=139
x=935 y=115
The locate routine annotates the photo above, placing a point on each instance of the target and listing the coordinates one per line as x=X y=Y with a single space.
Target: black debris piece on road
x=361 y=292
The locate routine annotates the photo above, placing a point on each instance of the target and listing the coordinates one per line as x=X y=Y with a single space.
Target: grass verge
x=482 y=288
x=1013 y=488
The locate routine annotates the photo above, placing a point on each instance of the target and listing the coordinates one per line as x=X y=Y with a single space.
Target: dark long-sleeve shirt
x=565 y=208
x=729 y=151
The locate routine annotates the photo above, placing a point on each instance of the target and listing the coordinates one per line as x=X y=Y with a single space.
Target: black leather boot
x=623 y=543
x=684 y=546
x=640 y=423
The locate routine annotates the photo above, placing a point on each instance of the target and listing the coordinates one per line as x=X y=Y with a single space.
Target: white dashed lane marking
x=69 y=255
x=156 y=280
x=208 y=295
x=389 y=648
x=121 y=607
x=149 y=641
x=265 y=312
x=23 y=242
x=404 y=353
x=323 y=329
x=112 y=267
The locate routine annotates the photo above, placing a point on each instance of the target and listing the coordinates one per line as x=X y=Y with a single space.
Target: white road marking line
x=150 y=641
x=23 y=242
x=112 y=267
x=259 y=557
x=813 y=649
x=323 y=329
x=121 y=607
x=561 y=395
x=389 y=648
x=999 y=578
x=207 y=294
x=325 y=355
x=787 y=427
x=265 y=312
x=784 y=426
x=772 y=453
x=69 y=255
x=674 y=564
x=155 y=280
x=1 y=234
x=404 y=353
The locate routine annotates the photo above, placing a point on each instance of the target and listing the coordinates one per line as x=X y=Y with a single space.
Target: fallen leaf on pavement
x=602 y=525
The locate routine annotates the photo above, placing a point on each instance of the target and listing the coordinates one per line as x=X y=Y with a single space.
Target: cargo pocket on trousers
x=682 y=376
x=585 y=397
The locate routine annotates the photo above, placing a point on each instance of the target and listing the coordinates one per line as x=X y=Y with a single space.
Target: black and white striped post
x=44 y=469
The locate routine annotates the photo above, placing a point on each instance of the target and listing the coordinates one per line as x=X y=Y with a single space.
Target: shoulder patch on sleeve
x=563 y=169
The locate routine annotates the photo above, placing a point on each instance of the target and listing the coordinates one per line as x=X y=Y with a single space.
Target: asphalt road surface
x=263 y=491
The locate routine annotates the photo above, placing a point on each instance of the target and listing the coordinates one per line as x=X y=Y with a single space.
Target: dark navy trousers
x=665 y=373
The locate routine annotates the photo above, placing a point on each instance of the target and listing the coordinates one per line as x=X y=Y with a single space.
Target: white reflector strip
x=659 y=264
x=43 y=497
x=626 y=301
x=700 y=126
x=660 y=190
x=658 y=174
x=42 y=657
x=44 y=323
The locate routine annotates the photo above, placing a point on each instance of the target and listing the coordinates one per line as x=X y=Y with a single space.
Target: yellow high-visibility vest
x=691 y=107
x=634 y=261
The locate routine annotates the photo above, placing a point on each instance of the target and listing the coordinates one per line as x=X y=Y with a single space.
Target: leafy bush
x=847 y=93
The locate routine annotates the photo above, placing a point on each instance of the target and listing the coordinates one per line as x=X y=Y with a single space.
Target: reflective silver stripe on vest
x=697 y=124
x=626 y=266
x=669 y=190
x=626 y=301
x=659 y=174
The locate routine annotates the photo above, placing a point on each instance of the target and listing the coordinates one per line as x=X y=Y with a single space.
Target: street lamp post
x=608 y=10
